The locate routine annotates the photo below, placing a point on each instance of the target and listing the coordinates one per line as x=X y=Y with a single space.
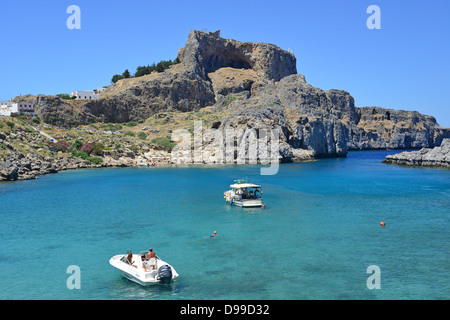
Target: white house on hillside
x=9 y=107
x=85 y=95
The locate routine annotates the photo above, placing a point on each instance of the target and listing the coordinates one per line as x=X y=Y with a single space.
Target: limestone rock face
x=310 y=120
x=208 y=52
x=435 y=157
x=8 y=171
x=230 y=80
x=54 y=110
x=176 y=89
x=380 y=128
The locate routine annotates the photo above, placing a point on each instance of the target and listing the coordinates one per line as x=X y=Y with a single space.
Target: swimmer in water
x=214 y=234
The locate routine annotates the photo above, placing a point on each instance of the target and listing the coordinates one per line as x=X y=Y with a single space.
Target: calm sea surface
x=315 y=239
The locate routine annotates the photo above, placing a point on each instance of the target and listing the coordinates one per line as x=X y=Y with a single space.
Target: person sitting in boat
x=150 y=259
x=130 y=259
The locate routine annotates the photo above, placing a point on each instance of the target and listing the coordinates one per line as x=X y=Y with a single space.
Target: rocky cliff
x=381 y=128
x=208 y=52
x=427 y=157
x=252 y=85
x=312 y=122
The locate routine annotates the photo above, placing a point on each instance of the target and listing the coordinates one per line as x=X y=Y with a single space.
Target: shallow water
x=315 y=239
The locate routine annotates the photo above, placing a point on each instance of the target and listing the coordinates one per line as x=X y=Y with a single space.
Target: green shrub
x=112 y=127
x=10 y=124
x=116 y=78
x=131 y=124
x=95 y=160
x=126 y=74
x=130 y=133
x=142 y=135
x=98 y=148
x=77 y=145
x=165 y=142
x=83 y=155
x=134 y=148
x=64 y=96
x=80 y=154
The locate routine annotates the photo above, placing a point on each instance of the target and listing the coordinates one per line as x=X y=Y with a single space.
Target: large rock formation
x=256 y=85
x=54 y=110
x=380 y=128
x=435 y=157
x=312 y=122
x=208 y=52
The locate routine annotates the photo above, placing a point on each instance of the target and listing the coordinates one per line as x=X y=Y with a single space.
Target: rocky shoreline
x=26 y=154
x=426 y=157
x=19 y=167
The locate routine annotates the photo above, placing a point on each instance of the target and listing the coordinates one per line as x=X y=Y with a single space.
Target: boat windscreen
x=125 y=260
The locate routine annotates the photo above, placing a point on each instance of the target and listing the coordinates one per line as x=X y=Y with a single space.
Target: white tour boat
x=143 y=272
x=243 y=194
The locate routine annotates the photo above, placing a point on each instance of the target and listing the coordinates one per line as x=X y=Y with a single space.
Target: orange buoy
x=382 y=223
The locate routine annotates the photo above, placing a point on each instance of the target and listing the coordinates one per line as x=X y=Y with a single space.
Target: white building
x=9 y=107
x=85 y=95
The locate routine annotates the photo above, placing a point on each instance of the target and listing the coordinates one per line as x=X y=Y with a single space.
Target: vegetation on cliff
x=144 y=70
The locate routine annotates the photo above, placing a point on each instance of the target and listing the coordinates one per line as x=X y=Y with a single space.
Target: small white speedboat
x=144 y=272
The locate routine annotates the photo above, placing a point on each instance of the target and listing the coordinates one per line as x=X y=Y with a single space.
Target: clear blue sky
x=405 y=65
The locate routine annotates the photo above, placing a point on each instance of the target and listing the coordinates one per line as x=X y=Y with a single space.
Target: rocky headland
x=229 y=84
x=426 y=157
x=27 y=153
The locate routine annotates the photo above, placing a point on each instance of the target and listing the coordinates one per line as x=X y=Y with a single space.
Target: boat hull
x=136 y=279
x=136 y=273
x=251 y=203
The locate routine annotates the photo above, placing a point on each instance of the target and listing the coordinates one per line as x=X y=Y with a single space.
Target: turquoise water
x=316 y=238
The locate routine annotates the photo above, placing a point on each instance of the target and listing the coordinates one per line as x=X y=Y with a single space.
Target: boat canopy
x=244 y=185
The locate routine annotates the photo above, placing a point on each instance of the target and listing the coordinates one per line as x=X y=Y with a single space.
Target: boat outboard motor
x=164 y=274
